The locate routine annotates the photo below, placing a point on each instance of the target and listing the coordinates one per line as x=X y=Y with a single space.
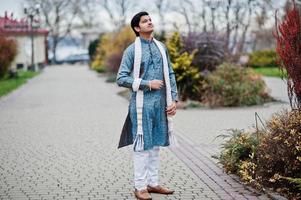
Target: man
x=146 y=68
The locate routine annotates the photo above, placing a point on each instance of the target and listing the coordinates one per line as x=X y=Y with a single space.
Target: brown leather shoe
x=159 y=189
x=142 y=194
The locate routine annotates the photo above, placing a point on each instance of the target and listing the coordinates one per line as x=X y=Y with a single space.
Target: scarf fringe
x=138 y=142
x=173 y=141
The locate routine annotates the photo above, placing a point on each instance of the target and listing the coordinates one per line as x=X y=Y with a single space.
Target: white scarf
x=138 y=142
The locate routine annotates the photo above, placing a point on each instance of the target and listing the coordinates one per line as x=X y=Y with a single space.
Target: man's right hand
x=156 y=84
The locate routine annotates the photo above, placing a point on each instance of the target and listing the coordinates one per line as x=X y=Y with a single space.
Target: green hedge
x=263 y=58
x=231 y=85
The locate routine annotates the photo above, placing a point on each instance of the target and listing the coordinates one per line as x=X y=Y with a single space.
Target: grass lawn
x=7 y=85
x=268 y=71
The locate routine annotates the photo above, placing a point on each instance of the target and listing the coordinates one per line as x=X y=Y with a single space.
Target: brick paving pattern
x=58 y=140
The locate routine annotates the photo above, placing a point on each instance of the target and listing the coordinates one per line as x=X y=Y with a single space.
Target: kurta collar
x=146 y=41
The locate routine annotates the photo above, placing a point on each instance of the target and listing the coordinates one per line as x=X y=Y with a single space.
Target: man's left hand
x=172 y=109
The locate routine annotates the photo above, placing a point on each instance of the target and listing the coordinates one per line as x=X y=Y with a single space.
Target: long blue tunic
x=154 y=118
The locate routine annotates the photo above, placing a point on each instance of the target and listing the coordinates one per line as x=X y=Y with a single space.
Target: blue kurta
x=154 y=118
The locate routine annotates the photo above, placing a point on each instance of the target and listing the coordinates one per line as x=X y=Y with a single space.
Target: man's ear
x=137 y=29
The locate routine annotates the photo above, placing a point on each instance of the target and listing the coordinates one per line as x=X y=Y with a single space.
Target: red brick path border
x=199 y=159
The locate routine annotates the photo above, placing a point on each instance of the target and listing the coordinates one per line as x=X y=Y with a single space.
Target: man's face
x=145 y=25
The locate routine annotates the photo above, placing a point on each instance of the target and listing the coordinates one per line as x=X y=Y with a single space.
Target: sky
x=14 y=6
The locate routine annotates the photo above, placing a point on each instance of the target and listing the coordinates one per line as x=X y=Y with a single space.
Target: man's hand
x=155 y=84
x=172 y=109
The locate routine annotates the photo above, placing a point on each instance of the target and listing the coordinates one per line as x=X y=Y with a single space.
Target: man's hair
x=135 y=21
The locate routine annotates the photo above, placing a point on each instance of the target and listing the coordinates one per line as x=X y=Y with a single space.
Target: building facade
x=26 y=37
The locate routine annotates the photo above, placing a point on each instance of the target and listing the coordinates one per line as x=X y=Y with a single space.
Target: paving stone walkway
x=59 y=135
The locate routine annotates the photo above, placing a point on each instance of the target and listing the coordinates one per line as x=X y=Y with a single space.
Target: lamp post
x=31 y=13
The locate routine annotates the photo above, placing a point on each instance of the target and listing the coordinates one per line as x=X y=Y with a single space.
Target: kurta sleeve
x=124 y=75
x=172 y=78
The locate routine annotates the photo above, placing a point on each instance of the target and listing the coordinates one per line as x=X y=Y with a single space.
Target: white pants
x=146 y=168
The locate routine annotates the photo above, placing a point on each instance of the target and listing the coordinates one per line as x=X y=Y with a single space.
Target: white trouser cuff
x=146 y=168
